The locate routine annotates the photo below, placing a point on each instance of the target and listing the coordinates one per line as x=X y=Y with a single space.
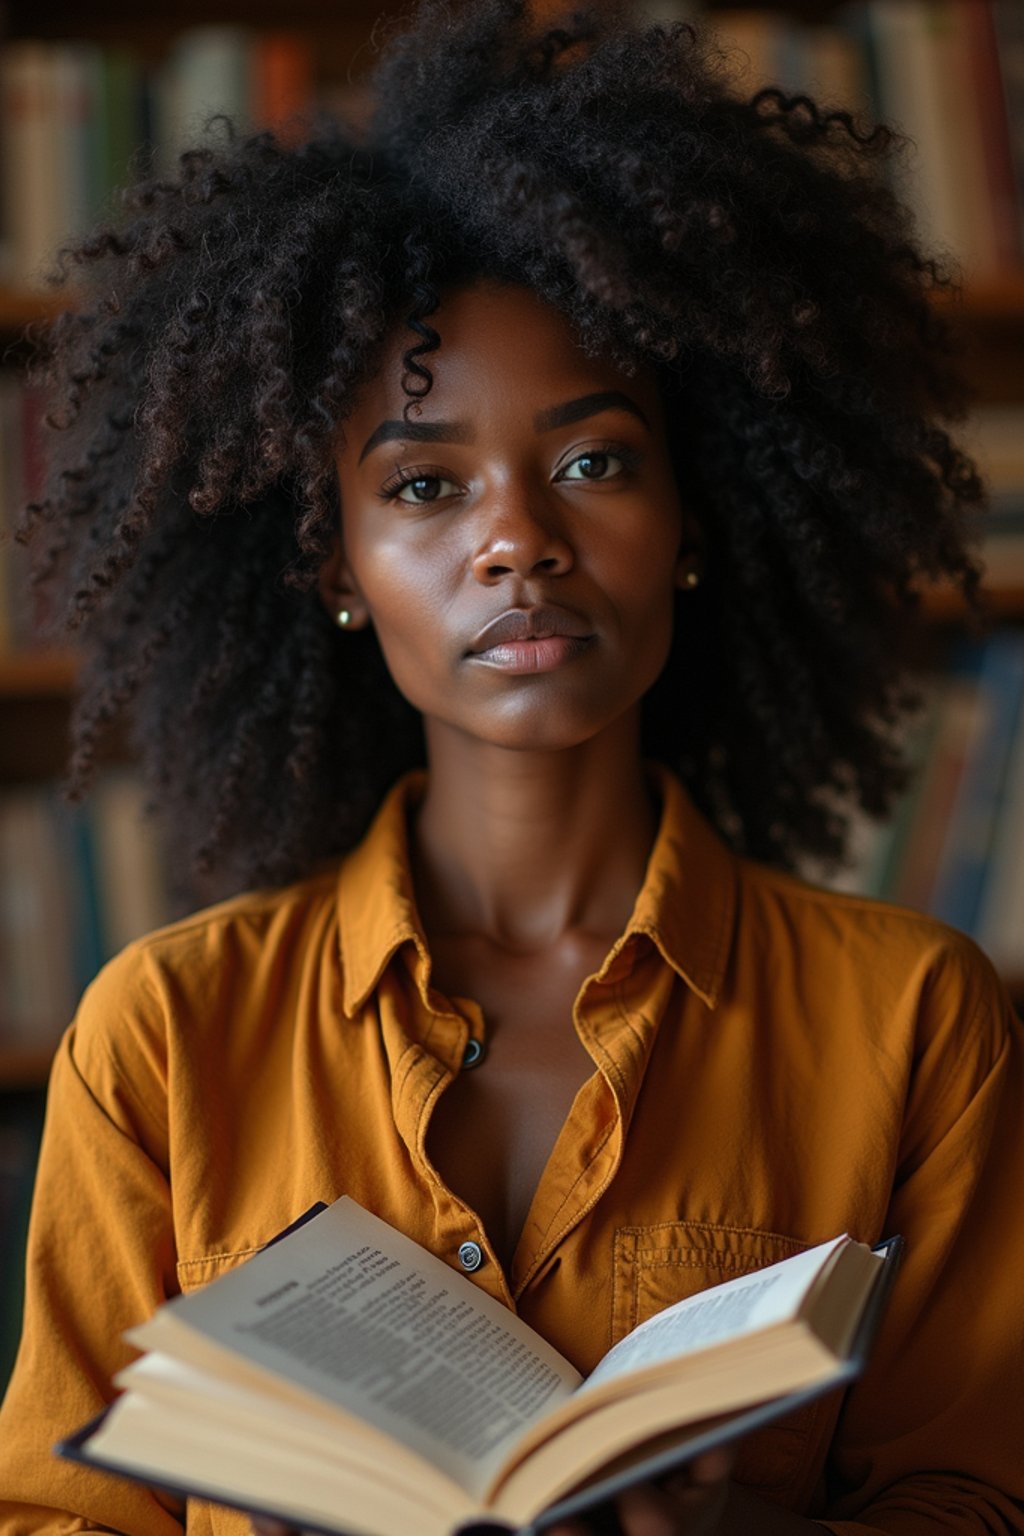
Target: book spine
x=1000 y=924
x=912 y=68
x=837 y=69
x=28 y=114
x=129 y=861
x=209 y=73
x=282 y=82
x=76 y=885
x=16 y=595
x=751 y=40
x=90 y=944
x=989 y=97
x=73 y=175
x=921 y=753
x=28 y=406
x=119 y=122
x=36 y=921
x=958 y=893
x=961 y=145
x=960 y=721
x=1008 y=17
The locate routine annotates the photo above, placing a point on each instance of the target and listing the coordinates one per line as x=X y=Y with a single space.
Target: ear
x=339 y=591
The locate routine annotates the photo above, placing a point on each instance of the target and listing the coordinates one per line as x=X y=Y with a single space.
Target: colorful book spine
x=962 y=720
x=76 y=119
x=945 y=72
x=76 y=885
x=974 y=823
x=1000 y=925
x=1008 y=20
x=33 y=217
x=988 y=95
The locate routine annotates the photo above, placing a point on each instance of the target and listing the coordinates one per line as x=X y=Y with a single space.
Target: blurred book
x=78 y=119
x=947 y=73
x=76 y=885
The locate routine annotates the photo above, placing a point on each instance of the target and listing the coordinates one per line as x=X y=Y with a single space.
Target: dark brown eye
x=594 y=464
x=425 y=487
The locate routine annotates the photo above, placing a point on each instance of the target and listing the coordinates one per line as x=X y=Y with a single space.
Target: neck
x=524 y=847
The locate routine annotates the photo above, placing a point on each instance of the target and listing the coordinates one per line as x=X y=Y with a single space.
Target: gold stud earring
x=343 y=618
x=692 y=578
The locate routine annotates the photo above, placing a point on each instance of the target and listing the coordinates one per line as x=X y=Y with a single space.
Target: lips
x=526 y=641
x=517 y=624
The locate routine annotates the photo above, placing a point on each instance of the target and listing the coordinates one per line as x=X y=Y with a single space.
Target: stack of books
x=22 y=617
x=948 y=73
x=76 y=117
x=954 y=847
x=76 y=885
x=77 y=120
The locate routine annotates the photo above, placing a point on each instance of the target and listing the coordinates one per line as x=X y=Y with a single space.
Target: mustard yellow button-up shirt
x=773 y=1065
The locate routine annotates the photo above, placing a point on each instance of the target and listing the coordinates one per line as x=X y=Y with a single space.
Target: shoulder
x=245 y=929
x=898 y=976
x=197 y=975
x=871 y=928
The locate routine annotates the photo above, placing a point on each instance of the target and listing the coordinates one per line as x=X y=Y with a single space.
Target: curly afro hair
x=748 y=249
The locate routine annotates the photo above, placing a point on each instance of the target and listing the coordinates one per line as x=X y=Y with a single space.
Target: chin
x=547 y=725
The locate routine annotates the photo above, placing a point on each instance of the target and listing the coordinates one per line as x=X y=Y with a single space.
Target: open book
x=345 y=1380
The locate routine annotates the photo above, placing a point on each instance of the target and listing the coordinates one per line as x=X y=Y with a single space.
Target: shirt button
x=473 y=1055
x=470 y=1257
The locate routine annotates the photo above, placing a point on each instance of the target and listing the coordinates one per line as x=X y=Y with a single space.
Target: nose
x=520 y=542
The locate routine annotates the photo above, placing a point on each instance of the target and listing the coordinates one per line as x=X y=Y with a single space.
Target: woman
x=573 y=436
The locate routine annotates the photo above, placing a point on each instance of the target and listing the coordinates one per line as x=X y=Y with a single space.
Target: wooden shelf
x=945 y=605
x=992 y=298
x=20 y=307
x=38 y=675
x=996 y=298
x=24 y=1067
x=999 y=297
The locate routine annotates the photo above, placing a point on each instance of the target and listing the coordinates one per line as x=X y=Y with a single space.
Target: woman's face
x=521 y=580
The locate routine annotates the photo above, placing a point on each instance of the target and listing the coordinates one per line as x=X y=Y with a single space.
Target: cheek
x=403 y=583
x=407 y=600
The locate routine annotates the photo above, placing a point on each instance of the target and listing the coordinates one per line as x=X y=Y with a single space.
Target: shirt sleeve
x=932 y=1437
x=101 y=1257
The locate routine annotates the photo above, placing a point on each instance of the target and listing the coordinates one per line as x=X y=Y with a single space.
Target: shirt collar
x=686 y=905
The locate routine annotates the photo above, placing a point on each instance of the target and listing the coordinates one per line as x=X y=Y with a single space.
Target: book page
x=204 y=1403
x=725 y=1311
x=359 y=1315
x=593 y=1444
x=291 y=1485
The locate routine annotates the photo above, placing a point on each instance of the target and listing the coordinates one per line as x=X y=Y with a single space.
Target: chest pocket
x=657 y=1265
x=194 y=1274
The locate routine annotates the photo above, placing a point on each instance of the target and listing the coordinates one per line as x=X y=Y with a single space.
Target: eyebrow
x=545 y=421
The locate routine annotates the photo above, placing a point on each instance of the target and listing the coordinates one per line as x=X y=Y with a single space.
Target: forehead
x=501 y=347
